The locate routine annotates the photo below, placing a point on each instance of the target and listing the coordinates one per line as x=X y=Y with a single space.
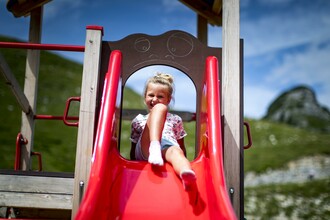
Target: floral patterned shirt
x=173 y=128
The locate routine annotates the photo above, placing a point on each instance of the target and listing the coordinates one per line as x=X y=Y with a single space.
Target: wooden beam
x=232 y=103
x=24 y=8
x=206 y=10
x=87 y=113
x=202 y=34
x=11 y=81
x=36 y=192
x=31 y=86
x=217 y=6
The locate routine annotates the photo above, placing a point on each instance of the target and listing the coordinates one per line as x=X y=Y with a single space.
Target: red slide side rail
x=215 y=148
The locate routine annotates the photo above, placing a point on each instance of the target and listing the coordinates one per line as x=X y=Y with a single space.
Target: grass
x=309 y=200
x=275 y=144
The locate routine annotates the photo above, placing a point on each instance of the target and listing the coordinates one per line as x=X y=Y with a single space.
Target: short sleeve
x=179 y=131
x=137 y=127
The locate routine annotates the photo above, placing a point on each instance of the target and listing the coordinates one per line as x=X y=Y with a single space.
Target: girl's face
x=156 y=93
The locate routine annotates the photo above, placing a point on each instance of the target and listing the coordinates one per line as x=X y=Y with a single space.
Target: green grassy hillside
x=276 y=144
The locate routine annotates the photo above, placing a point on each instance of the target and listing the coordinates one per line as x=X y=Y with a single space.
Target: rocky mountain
x=299 y=107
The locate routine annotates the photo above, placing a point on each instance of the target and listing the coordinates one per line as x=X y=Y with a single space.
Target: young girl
x=160 y=134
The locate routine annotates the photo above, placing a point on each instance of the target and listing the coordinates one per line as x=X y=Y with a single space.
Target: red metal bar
x=248 y=135
x=39 y=159
x=61 y=47
x=66 y=112
x=55 y=117
x=20 y=140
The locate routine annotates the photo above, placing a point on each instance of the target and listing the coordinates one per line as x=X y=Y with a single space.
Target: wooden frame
x=232 y=102
x=87 y=112
x=36 y=190
x=30 y=87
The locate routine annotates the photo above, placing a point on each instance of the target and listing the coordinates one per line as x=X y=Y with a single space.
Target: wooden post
x=30 y=86
x=86 y=129
x=202 y=29
x=232 y=103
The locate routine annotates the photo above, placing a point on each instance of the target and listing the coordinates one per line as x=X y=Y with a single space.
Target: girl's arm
x=182 y=146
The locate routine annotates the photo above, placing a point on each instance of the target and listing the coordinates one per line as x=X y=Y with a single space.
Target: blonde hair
x=163 y=79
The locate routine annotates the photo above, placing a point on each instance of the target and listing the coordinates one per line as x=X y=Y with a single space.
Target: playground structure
x=90 y=178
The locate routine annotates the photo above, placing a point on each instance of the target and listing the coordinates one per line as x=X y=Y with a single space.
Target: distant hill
x=299 y=107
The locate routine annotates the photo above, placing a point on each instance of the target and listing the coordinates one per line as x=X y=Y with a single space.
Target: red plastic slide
x=123 y=189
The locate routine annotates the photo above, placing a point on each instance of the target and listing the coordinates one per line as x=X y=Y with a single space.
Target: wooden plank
x=31 y=213
x=36 y=200
x=36 y=184
x=87 y=112
x=232 y=103
x=11 y=81
x=36 y=192
x=36 y=173
x=31 y=87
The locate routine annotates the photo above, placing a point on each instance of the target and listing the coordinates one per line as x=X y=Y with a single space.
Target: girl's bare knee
x=160 y=107
x=173 y=152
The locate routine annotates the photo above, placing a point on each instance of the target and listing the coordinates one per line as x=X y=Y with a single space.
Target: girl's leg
x=151 y=136
x=181 y=164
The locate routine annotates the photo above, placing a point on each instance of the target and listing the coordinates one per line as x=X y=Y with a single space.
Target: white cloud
x=66 y=8
x=170 y=5
x=310 y=67
x=275 y=31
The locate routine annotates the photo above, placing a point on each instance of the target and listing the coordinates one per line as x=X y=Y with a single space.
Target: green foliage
x=275 y=144
x=309 y=200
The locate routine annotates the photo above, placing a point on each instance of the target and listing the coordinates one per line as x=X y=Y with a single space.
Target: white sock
x=155 y=154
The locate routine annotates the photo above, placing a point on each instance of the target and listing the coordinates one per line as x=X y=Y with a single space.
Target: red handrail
x=55 y=117
x=39 y=159
x=35 y=46
x=248 y=135
x=20 y=140
x=66 y=112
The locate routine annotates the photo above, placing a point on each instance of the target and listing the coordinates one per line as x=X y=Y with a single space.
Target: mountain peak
x=299 y=107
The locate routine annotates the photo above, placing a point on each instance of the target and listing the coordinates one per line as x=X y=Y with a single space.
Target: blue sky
x=287 y=42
